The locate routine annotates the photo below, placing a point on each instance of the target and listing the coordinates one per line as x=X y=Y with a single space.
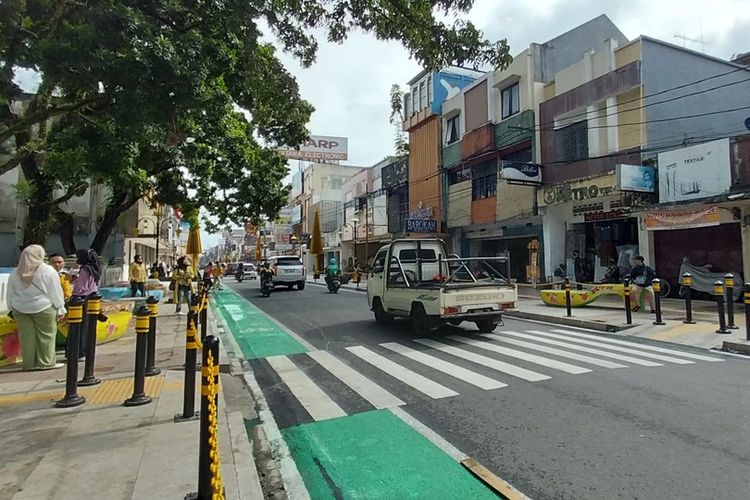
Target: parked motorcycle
x=333 y=284
x=266 y=286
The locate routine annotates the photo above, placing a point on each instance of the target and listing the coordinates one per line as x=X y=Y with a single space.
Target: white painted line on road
x=495 y=364
x=636 y=352
x=431 y=435
x=575 y=347
x=311 y=397
x=372 y=392
x=640 y=346
x=557 y=352
x=408 y=377
x=513 y=353
x=293 y=483
x=467 y=376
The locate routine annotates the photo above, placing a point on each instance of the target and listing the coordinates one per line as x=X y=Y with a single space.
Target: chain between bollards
x=656 y=284
x=719 y=293
x=687 y=286
x=93 y=309
x=153 y=307
x=75 y=321
x=191 y=359
x=729 y=286
x=204 y=313
x=746 y=299
x=628 y=302
x=568 y=305
x=139 y=396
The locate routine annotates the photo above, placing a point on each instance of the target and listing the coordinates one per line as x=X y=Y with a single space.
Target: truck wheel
x=381 y=317
x=419 y=320
x=487 y=325
x=301 y=285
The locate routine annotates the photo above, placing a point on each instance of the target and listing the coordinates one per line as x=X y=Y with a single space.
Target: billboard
x=695 y=172
x=640 y=178
x=318 y=147
x=516 y=172
x=296 y=214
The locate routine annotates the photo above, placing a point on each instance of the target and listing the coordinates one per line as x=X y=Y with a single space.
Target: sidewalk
x=104 y=450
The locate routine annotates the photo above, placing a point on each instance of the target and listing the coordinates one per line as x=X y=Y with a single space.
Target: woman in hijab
x=35 y=297
x=183 y=278
x=87 y=283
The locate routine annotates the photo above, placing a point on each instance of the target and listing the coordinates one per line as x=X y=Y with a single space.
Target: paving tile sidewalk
x=105 y=450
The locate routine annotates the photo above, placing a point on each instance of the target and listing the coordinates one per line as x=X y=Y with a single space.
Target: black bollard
x=204 y=314
x=729 y=286
x=687 y=285
x=746 y=297
x=141 y=344
x=191 y=358
x=75 y=320
x=719 y=292
x=567 y=298
x=208 y=454
x=93 y=309
x=153 y=307
x=628 y=304
x=656 y=284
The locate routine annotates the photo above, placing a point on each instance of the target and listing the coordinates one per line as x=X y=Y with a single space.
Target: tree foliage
x=184 y=99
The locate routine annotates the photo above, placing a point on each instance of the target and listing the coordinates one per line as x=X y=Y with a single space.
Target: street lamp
x=158 y=227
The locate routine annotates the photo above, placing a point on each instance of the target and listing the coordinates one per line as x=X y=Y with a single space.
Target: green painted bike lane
x=373 y=454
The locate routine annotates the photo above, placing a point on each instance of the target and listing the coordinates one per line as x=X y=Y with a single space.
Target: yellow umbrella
x=258 y=250
x=194 y=247
x=316 y=245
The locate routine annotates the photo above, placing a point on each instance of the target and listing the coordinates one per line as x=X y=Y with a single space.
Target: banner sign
x=640 y=178
x=421 y=226
x=583 y=190
x=521 y=173
x=422 y=213
x=682 y=219
x=694 y=172
x=319 y=147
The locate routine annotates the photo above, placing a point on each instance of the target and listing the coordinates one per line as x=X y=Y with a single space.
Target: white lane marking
x=467 y=376
x=640 y=346
x=408 y=377
x=290 y=475
x=431 y=435
x=575 y=347
x=636 y=352
x=495 y=364
x=557 y=352
x=311 y=397
x=513 y=353
x=372 y=392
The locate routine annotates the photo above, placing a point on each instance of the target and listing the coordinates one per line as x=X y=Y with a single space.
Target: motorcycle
x=266 y=286
x=333 y=284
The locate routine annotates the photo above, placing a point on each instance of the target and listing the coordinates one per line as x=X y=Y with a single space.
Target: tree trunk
x=36 y=226
x=119 y=203
x=67 y=230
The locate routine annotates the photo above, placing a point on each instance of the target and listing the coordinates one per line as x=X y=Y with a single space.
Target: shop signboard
x=640 y=178
x=296 y=216
x=318 y=147
x=421 y=226
x=584 y=190
x=421 y=213
x=516 y=172
x=682 y=219
x=699 y=171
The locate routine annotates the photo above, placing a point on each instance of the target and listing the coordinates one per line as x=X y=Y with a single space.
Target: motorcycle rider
x=266 y=272
x=332 y=271
x=239 y=273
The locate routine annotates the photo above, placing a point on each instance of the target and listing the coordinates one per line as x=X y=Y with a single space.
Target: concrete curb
x=736 y=346
x=575 y=322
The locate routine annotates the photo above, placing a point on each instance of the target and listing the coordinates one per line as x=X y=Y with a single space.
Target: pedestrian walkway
x=442 y=367
x=105 y=450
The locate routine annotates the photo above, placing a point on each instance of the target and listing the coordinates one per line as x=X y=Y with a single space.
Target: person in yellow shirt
x=183 y=278
x=138 y=277
x=58 y=262
x=217 y=272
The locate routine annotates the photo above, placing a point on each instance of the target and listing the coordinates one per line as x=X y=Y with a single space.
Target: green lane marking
x=256 y=334
x=376 y=455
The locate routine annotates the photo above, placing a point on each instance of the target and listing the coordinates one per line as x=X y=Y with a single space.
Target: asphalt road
x=575 y=427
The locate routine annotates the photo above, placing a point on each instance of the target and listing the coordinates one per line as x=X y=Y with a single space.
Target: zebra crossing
x=438 y=368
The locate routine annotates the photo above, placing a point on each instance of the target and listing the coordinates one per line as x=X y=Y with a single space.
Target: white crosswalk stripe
x=641 y=346
x=500 y=366
x=311 y=397
x=369 y=390
x=660 y=357
x=408 y=377
x=575 y=347
x=514 y=353
x=557 y=352
x=456 y=371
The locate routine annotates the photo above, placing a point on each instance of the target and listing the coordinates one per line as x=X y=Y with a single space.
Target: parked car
x=289 y=271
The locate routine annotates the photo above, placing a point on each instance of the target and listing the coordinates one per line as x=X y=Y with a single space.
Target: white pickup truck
x=418 y=279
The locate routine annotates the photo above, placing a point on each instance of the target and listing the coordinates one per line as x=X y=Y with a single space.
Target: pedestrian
x=86 y=284
x=168 y=270
x=35 y=298
x=216 y=273
x=137 y=274
x=357 y=274
x=183 y=278
x=161 y=270
x=58 y=263
x=642 y=276
x=577 y=266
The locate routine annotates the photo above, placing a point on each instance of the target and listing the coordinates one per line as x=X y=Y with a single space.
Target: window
x=407 y=105
x=429 y=90
x=484 y=180
x=511 y=100
x=422 y=96
x=572 y=142
x=410 y=255
x=459 y=174
x=378 y=265
x=414 y=99
x=452 y=130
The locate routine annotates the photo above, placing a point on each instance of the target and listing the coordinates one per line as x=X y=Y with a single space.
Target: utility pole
x=367 y=227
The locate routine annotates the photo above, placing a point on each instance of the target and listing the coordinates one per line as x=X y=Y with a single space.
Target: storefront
x=521 y=241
